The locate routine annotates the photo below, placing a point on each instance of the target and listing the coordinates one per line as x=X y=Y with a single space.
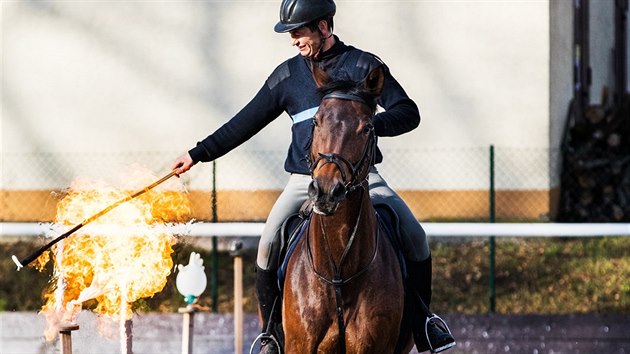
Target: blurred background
x=525 y=118
x=91 y=87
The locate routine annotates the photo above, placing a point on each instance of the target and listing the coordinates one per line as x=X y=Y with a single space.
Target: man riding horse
x=291 y=88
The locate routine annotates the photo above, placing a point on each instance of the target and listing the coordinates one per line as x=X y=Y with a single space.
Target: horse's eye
x=368 y=128
x=314 y=121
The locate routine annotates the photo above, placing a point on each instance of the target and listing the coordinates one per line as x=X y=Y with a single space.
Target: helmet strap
x=323 y=42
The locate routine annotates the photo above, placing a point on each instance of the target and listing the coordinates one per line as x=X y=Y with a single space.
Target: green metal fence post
x=215 y=255
x=492 y=244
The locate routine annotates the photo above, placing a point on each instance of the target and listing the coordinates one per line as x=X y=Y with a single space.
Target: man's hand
x=182 y=164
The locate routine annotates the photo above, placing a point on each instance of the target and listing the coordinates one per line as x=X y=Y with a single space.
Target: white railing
x=455 y=229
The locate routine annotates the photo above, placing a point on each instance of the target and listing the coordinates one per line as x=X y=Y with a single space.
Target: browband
x=345 y=96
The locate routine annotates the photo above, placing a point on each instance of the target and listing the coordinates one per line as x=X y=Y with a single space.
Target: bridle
x=350 y=183
x=357 y=169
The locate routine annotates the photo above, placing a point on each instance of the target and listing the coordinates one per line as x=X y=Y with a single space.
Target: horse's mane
x=352 y=88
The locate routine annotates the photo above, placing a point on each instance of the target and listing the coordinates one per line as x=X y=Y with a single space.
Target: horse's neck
x=355 y=217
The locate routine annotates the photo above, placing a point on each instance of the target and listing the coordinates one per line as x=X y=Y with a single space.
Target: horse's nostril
x=339 y=192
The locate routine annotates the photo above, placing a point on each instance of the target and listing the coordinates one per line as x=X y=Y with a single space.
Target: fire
x=122 y=256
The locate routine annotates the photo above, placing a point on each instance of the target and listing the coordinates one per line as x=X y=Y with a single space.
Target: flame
x=123 y=256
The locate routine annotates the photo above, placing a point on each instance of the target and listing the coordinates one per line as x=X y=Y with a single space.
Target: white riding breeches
x=414 y=240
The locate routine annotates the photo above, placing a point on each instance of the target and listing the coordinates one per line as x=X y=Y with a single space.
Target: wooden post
x=237 y=248
x=187 y=328
x=66 y=337
x=128 y=336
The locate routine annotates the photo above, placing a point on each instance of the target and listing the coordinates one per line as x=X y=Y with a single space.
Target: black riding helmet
x=297 y=13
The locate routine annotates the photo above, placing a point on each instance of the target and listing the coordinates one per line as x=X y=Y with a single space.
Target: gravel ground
x=22 y=332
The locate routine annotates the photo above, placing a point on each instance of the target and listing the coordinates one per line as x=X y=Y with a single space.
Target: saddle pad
x=388 y=221
x=296 y=235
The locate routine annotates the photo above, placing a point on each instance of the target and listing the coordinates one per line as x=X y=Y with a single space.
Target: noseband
x=336 y=159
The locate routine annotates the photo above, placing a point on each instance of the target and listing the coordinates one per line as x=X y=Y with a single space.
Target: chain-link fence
x=438 y=184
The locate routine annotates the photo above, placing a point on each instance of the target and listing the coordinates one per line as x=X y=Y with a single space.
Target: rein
x=338 y=280
x=350 y=185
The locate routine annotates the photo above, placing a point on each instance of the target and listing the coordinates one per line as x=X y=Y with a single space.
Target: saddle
x=296 y=224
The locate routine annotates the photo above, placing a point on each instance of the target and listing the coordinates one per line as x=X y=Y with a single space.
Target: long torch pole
x=33 y=256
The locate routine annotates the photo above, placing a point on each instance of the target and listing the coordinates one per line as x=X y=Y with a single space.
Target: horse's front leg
x=375 y=326
x=304 y=319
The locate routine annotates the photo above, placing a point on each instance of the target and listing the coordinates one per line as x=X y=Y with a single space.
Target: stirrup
x=439 y=322
x=265 y=336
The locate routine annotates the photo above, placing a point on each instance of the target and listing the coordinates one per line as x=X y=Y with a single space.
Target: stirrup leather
x=439 y=322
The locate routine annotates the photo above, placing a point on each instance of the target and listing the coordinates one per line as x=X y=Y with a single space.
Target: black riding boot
x=268 y=295
x=429 y=331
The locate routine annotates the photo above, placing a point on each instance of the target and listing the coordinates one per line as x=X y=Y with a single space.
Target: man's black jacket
x=291 y=88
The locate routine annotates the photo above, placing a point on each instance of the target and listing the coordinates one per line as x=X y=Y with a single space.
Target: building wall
x=602 y=37
x=86 y=80
x=602 y=44
x=561 y=66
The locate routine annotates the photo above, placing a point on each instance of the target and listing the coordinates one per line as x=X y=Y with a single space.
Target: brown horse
x=343 y=291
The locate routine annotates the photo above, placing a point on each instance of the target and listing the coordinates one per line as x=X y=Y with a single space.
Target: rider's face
x=306 y=41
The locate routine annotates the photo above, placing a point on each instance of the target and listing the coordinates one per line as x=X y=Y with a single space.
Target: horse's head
x=343 y=142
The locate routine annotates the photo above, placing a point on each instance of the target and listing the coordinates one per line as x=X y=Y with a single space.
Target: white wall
x=136 y=76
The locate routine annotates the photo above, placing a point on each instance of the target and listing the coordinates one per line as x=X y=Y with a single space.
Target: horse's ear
x=319 y=75
x=375 y=80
